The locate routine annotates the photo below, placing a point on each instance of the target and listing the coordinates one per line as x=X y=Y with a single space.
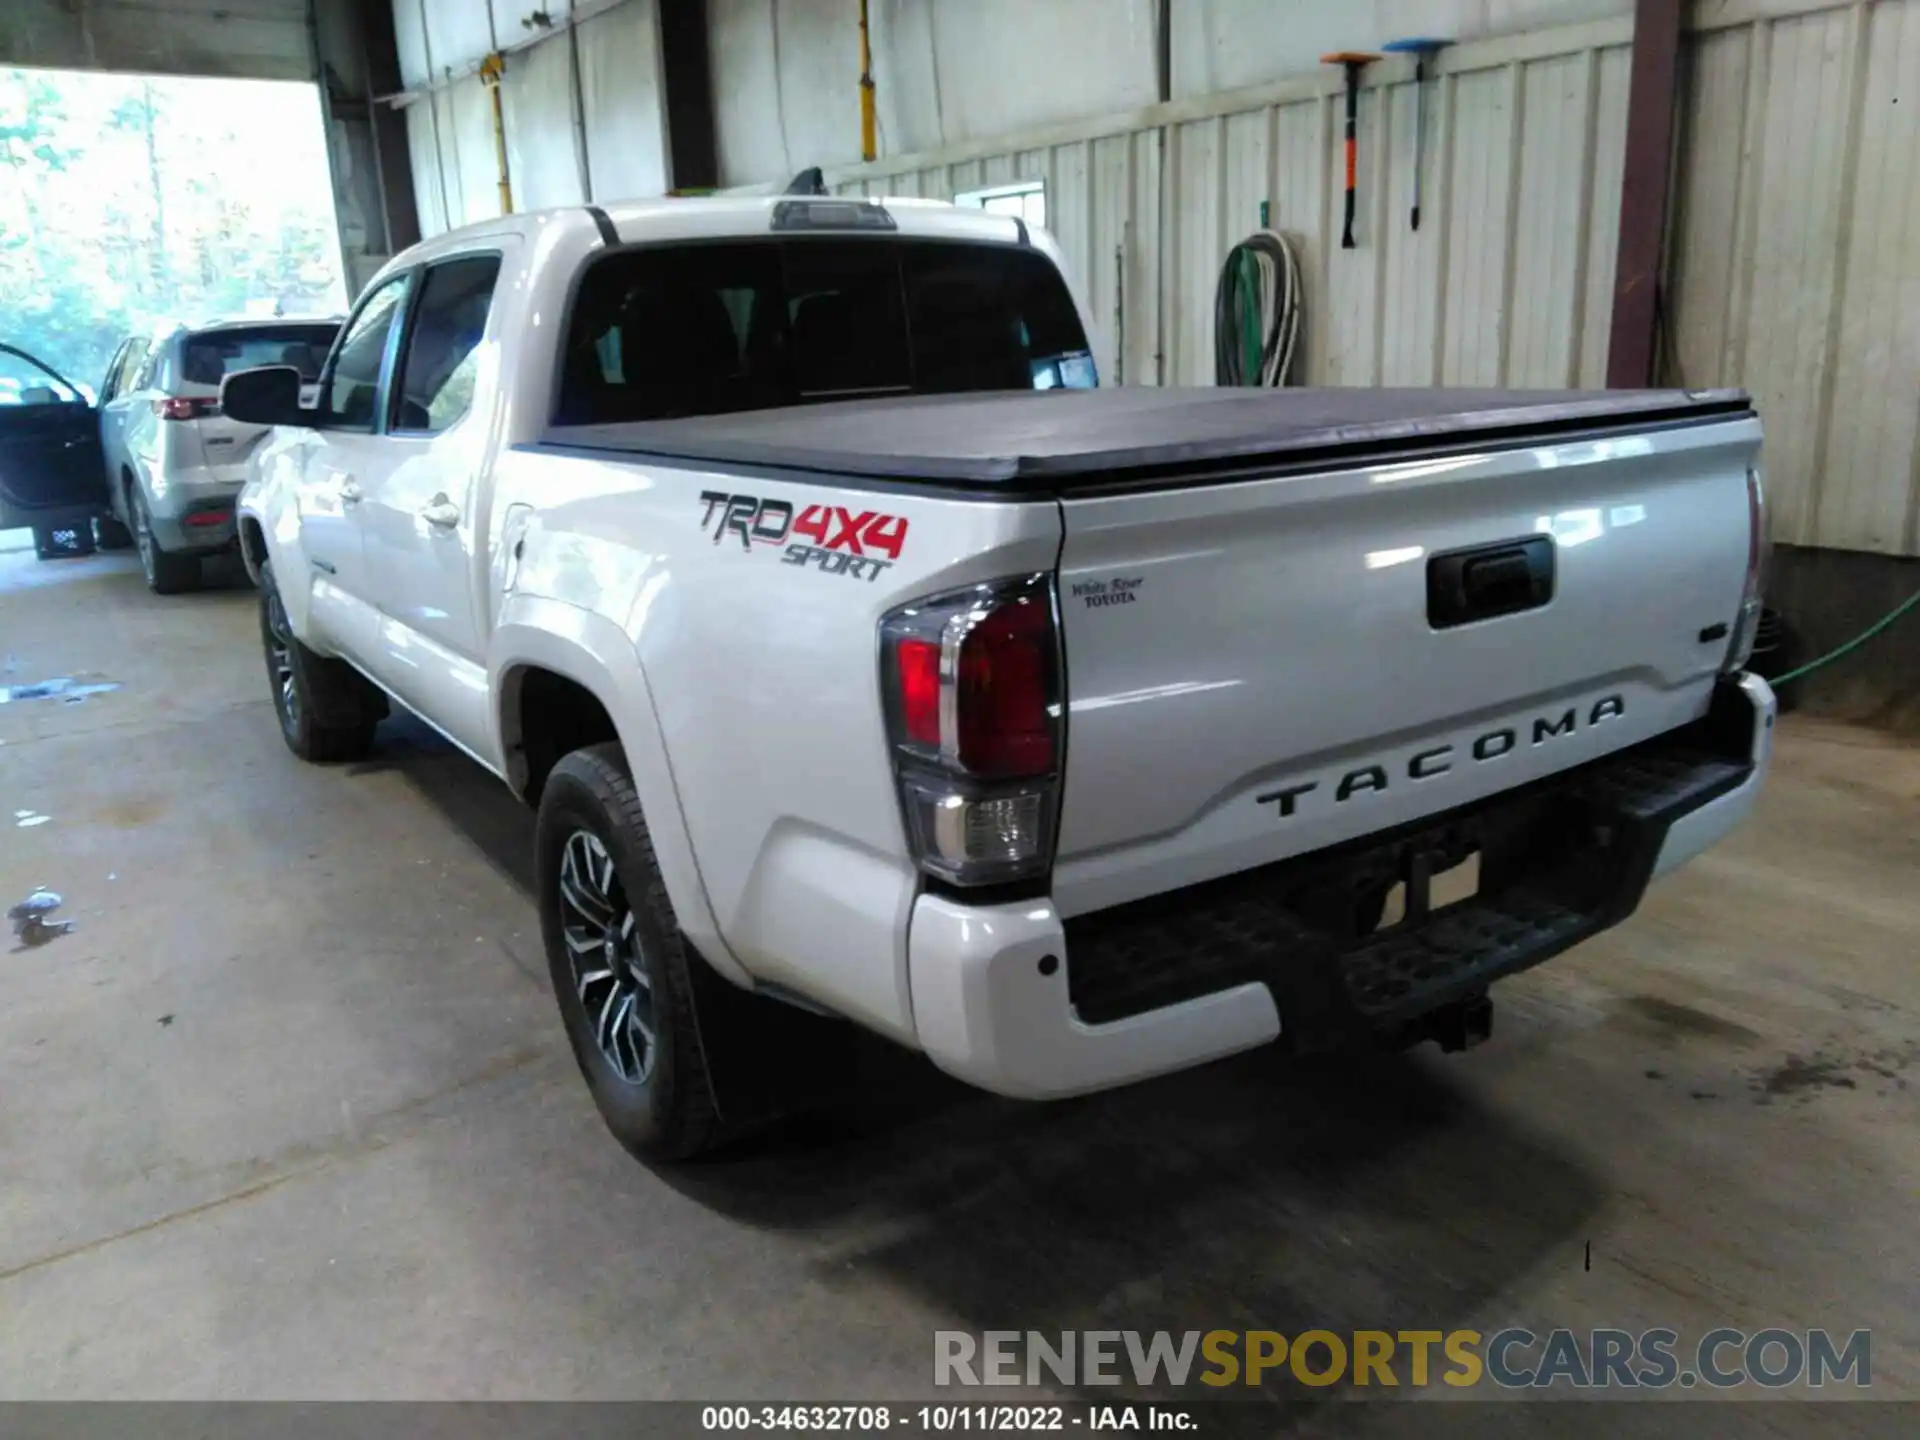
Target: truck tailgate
x=1262 y=668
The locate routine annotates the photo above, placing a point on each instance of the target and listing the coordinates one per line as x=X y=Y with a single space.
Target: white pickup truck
x=858 y=652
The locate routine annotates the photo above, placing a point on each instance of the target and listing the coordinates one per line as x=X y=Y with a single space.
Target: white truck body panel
x=1280 y=638
x=1277 y=637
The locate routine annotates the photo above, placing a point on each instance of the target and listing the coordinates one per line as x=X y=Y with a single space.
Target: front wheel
x=327 y=711
x=618 y=962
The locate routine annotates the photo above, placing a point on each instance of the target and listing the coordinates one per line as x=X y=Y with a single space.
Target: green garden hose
x=1854 y=644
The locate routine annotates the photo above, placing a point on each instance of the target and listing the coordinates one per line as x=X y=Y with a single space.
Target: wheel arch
x=551 y=659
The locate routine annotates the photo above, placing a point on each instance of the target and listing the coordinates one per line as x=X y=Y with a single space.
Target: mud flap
x=345 y=697
x=766 y=1057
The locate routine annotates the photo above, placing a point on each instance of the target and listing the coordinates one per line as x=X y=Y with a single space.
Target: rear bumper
x=1706 y=825
x=1016 y=1000
x=193 y=513
x=182 y=537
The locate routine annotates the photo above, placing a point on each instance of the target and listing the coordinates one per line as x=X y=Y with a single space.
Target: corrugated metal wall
x=1507 y=282
x=1796 y=256
x=582 y=104
x=1795 y=265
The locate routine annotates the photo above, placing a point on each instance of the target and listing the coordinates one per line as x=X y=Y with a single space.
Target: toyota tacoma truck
x=862 y=657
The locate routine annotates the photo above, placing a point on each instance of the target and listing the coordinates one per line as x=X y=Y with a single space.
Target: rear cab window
x=665 y=331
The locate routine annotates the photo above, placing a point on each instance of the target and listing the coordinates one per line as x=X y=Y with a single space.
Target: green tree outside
x=127 y=202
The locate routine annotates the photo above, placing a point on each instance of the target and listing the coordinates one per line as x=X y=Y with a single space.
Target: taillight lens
x=1003 y=690
x=186 y=407
x=972 y=683
x=1759 y=554
x=918 y=664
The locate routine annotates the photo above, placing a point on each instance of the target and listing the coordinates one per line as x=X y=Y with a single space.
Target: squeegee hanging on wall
x=1353 y=62
x=1422 y=48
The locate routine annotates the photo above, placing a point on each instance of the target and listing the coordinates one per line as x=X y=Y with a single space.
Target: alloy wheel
x=607 y=957
x=280 y=644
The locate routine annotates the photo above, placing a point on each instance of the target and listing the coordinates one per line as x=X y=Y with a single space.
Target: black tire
x=167 y=574
x=327 y=710
x=662 y=1108
x=110 y=534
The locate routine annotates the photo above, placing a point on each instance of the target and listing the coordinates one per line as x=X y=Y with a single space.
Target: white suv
x=174 y=462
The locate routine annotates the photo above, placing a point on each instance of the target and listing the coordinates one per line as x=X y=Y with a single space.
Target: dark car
x=52 y=478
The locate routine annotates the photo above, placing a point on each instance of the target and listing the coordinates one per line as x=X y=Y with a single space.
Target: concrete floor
x=290 y=1113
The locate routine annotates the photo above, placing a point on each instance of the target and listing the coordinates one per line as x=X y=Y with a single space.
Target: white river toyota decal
x=844 y=542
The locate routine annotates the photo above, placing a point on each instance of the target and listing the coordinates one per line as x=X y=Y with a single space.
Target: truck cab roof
x=709 y=217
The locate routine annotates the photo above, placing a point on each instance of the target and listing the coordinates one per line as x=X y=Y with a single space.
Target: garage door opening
x=132 y=203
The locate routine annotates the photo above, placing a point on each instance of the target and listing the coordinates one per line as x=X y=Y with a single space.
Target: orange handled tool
x=1353 y=62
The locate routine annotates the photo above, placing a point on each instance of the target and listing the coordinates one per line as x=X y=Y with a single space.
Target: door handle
x=441 y=512
x=350 y=493
x=1489 y=580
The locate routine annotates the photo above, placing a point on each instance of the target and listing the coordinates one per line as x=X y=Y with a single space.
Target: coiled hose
x=1256 y=312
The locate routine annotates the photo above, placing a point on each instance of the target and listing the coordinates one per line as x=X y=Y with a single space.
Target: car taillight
x=1759 y=553
x=972 y=683
x=186 y=407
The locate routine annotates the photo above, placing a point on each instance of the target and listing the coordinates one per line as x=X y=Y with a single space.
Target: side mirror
x=269 y=395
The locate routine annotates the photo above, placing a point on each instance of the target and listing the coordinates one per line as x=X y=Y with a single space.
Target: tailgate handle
x=1489 y=580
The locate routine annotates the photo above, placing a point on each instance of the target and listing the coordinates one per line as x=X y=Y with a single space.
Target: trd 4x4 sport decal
x=845 y=542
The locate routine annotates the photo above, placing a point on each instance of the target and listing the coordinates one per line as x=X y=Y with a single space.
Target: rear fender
x=596 y=654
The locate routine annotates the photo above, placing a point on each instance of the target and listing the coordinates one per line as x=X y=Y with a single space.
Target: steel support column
x=693 y=154
x=1645 y=182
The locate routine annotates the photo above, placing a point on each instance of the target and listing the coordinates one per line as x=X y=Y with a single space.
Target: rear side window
x=435 y=385
x=132 y=361
x=208 y=358
x=152 y=374
x=668 y=331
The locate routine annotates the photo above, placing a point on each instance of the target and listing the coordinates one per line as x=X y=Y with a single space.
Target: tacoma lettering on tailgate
x=1431 y=764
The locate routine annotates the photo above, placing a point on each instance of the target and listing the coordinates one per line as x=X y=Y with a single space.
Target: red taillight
x=207 y=517
x=918 y=665
x=1001 y=699
x=972 y=682
x=186 y=407
x=1759 y=552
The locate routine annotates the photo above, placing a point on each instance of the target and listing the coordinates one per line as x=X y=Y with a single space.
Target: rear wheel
x=110 y=534
x=327 y=710
x=167 y=574
x=618 y=962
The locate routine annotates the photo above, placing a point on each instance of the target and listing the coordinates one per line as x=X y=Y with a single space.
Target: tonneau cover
x=1071 y=439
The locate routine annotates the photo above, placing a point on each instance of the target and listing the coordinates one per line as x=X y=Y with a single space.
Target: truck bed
x=1079 y=441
